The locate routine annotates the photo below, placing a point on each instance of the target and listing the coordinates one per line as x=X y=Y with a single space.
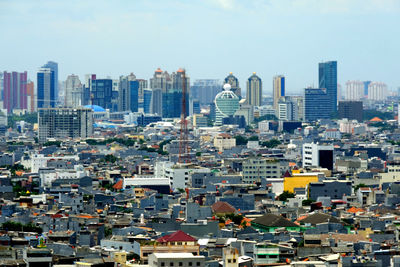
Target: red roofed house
x=222 y=208
x=177 y=242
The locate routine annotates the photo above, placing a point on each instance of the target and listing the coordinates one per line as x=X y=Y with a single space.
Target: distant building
x=327 y=73
x=316 y=104
x=205 y=90
x=62 y=123
x=54 y=68
x=14 y=90
x=73 y=91
x=254 y=90
x=366 y=84
x=287 y=109
x=234 y=82
x=128 y=93
x=101 y=93
x=351 y=110
x=354 y=90
x=147 y=101
x=256 y=169
x=318 y=155
x=226 y=104
x=31 y=96
x=175 y=259
x=224 y=141
x=377 y=91
x=46 y=90
x=279 y=89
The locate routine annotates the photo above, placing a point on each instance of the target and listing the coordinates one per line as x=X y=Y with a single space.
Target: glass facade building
x=101 y=93
x=226 y=104
x=327 y=74
x=316 y=104
x=147 y=96
x=46 y=91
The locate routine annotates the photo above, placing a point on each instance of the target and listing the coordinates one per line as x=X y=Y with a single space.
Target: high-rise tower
x=328 y=80
x=279 y=89
x=234 y=82
x=254 y=90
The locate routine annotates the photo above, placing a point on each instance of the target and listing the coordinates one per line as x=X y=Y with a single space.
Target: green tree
x=307 y=202
x=285 y=195
x=240 y=140
x=271 y=143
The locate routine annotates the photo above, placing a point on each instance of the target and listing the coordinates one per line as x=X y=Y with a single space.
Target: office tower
x=73 y=91
x=143 y=84
x=328 y=80
x=366 y=84
x=279 y=89
x=1 y=88
x=196 y=107
x=351 y=110
x=234 y=82
x=128 y=93
x=205 y=90
x=354 y=90
x=254 y=90
x=299 y=101
x=30 y=93
x=15 y=90
x=287 y=109
x=46 y=94
x=62 y=123
x=147 y=98
x=101 y=93
x=54 y=67
x=377 y=91
x=156 y=101
x=172 y=98
x=316 y=104
x=318 y=155
x=226 y=104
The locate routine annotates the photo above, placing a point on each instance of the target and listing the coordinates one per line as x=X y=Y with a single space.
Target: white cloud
x=225 y=4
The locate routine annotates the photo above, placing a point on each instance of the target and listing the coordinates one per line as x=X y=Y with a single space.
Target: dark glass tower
x=328 y=80
x=316 y=104
x=46 y=91
x=101 y=93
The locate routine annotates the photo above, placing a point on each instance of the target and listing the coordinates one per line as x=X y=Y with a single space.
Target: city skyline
x=266 y=37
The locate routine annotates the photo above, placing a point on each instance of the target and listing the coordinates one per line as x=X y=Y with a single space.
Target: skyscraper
x=172 y=98
x=156 y=101
x=46 y=94
x=147 y=101
x=73 y=91
x=366 y=84
x=287 y=109
x=30 y=92
x=377 y=91
x=316 y=104
x=328 y=80
x=234 y=82
x=128 y=93
x=354 y=90
x=254 y=90
x=54 y=67
x=351 y=110
x=279 y=89
x=101 y=93
x=205 y=90
x=15 y=95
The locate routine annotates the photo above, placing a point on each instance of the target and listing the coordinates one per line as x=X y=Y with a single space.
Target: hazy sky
x=210 y=38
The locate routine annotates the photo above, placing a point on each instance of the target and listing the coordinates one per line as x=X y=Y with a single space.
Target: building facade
x=226 y=104
x=73 y=91
x=101 y=93
x=46 y=90
x=351 y=110
x=234 y=82
x=254 y=90
x=354 y=90
x=279 y=89
x=205 y=90
x=14 y=90
x=377 y=91
x=317 y=155
x=62 y=123
x=316 y=104
x=256 y=169
x=328 y=80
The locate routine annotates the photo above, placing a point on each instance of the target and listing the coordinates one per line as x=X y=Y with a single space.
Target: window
x=171 y=264
x=229 y=261
x=190 y=263
x=197 y=263
x=162 y=264
x=180 y=263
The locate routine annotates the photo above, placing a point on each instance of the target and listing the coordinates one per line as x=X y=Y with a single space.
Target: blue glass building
x=101 y=93
x=316 y=104
x=328 y=80
x=54 y=67
x=134 y=95
x=366 y=84
x=147 y=95
x=46 y=91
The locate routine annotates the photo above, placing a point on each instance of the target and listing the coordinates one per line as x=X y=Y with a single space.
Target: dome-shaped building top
x=226 y=104
x=95 y=108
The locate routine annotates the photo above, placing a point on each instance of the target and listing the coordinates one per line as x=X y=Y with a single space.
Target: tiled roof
x=222 y=207
x=178 y=236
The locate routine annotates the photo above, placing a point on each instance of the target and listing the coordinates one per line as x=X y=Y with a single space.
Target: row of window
x=171 y=264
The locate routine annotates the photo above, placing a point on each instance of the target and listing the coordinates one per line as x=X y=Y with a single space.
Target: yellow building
x=301 y=180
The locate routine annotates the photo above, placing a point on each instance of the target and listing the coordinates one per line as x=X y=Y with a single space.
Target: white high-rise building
x=287 y=109
x=377 y=91
x=354 y=90
x=73 y=91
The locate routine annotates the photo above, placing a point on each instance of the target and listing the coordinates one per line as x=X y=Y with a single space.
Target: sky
x=209 y=38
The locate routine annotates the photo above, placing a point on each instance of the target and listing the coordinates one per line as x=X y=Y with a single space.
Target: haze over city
x=208 y=38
